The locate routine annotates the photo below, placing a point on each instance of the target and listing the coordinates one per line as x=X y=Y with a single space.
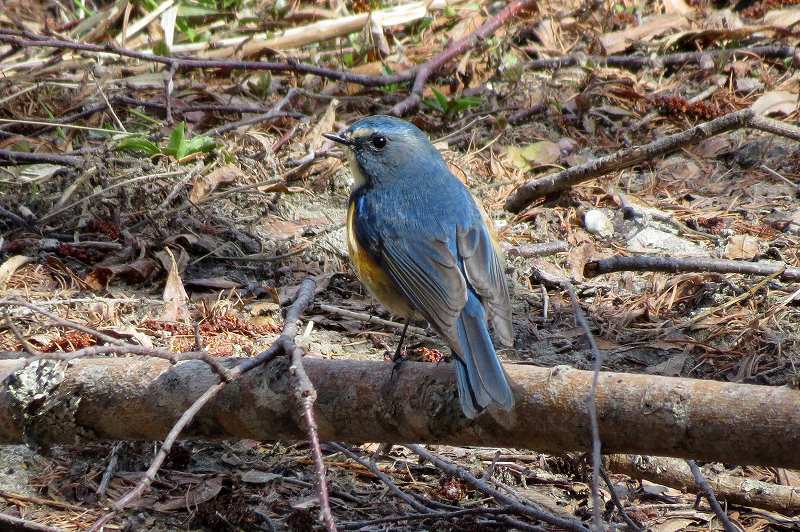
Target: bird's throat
x=359 y=179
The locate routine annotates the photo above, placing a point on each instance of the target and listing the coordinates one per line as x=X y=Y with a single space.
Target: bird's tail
x=479 y=374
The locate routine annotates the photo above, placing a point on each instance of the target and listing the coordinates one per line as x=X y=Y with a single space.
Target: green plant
x=179 y=146
x=451 y=106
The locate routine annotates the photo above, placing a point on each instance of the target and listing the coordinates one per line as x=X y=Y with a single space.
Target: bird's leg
x=398 y=355
x=397 y=359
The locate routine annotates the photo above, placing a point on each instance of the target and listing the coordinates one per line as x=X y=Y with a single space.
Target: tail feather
x=479 y=370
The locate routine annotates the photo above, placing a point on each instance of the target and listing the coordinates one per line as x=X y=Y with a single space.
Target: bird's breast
x=371 y=274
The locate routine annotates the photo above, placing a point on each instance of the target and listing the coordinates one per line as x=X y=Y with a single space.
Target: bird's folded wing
x=484 y=270
x=427 y=273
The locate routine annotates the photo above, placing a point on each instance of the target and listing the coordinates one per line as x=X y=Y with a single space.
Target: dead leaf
x=314 y=139
x=213 y=282
x=166 y=258
x=279 y=229
x=677 y=6
x=772 y=102
x=672 y=367
x=618 y=41
x=203 y=492
x=782 y=18
x=135 y=272
x=203 y=185
x=743 y=247
x=258 y=477
x=532 y=155
x=175 y=297
x=11 y=265
x=578 y=257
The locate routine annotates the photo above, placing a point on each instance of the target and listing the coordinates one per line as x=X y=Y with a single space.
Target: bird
x=422 y=245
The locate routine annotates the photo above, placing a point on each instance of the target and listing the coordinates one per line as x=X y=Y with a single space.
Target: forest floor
x=240 y=217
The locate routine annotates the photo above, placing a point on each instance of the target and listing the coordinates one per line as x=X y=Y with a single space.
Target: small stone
x=596 y=222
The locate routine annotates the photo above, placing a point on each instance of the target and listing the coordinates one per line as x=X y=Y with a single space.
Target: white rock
x=596 y=222
x=651 y=240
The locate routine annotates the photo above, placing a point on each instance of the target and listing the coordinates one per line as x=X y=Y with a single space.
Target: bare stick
x=358 y=525
x=456 y=49
x=20 y=157
x=591 y=401
x=305 y=395
x=626 y=158
x=550 y=184
x=386 y=479
x=109 y=472
x=635 y=62
x=712 y=499
x=15 y=524
x=528 y=508
x=369 y=318
x=656 y=263
x=25 y=39
x=538 y=250
x=633 y=525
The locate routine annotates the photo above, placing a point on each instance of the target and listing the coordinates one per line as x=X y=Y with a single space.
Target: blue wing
x=448 y=272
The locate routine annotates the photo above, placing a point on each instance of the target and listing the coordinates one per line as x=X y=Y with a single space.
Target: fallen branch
x=655 y=263
x=626 y=158
x=21 y=157
x=636 y=62
x=456 y=49
x=708 y=491
x=26 y=39
x=9 y=523
x=538 y=250
x=526 y=508
x=359 y=401
x=675 y=473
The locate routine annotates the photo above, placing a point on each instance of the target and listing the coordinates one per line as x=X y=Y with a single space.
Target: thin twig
x=528 y=508
x=20 y=157
x=456 y=49
x=394 y=488
x=712 y=499
x=591 y=401
x=26 y=39
x=636 y=62
x=538 y=250
x=633 y=525
x=109 y=472
x=656 y=263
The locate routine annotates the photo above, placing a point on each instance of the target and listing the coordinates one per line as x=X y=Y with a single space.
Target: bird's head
x=384 y=149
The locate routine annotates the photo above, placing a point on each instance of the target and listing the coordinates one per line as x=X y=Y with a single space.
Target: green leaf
x=177 y=140
x=137 y=143
x=441 y=99
x=197 y=144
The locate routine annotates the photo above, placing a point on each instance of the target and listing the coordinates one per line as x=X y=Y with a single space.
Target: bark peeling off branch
x=131 y=399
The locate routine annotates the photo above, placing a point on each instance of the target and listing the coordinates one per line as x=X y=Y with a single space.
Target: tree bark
x=139 y=399
x=735 y=490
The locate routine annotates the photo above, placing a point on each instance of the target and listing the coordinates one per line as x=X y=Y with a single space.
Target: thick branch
x=734 y=490
x=657 y=263
x=358 y=401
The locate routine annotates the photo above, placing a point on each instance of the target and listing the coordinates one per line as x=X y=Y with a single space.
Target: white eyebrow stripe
x=362 y=132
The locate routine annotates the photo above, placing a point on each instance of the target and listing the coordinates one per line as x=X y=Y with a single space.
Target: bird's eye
x=379 y=141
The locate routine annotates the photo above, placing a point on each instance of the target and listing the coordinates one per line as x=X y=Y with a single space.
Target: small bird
x=420 y=243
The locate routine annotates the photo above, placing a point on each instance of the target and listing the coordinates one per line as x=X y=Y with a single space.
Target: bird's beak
x=339 y=139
